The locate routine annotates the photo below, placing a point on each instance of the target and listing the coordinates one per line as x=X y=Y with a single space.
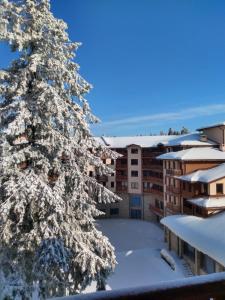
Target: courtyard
x=137 y=246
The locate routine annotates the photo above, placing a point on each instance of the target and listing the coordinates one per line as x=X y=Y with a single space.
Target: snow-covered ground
x=137 y=244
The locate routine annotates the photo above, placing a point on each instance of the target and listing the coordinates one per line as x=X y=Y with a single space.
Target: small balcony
x=173 y=189
x=174 y=209
x=156 y=210
x=121 y=189
x=173 y=172
x=203 y=287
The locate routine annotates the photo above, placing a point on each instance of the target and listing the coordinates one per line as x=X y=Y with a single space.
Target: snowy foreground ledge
x=199 y=287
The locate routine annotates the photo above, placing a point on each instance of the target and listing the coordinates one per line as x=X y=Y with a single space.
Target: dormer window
x=219 y=188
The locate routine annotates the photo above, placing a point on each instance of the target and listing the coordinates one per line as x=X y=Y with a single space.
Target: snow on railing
x=203 y=287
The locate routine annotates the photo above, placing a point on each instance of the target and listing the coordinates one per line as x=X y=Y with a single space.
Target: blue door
x=135 y=214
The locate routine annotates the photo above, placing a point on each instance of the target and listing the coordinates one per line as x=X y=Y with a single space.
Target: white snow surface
x=205 y=175
x=142 y=141
x=208 y=202
x=206 y=235
x=200 y=153
x=137 y=244
x=192 y=139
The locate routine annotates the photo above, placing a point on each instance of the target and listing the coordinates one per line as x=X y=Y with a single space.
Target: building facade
x=139 y=175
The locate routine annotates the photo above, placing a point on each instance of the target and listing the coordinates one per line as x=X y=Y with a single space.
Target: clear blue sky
x=154 y=64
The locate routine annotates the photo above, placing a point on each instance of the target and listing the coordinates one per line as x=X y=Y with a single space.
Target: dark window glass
x=114 y=211
x=134 y=150
x=219 y=188
x=134 y=173
x=134 y=162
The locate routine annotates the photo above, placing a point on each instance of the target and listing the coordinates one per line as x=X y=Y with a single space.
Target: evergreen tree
x=184 y=130
x=48 y=237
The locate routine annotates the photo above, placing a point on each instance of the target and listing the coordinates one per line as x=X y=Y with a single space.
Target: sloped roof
x=209 y=202
x=211 y=126
x=205 y=176
x=191 y=139
x=206 y=235
x=142 y=141
x=195 y=154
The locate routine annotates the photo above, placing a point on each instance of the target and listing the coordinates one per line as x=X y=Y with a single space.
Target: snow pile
x=168 y=258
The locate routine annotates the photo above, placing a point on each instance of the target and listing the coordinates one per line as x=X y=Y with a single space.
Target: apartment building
x=194 y=200
x=138 y=177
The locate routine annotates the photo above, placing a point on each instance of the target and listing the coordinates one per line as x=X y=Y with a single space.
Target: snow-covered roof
x=205 y=175
x=209 y=202
x=191 y=139
x=206 y=235
x=212 y=126
x=142 y=141
x=200 y=153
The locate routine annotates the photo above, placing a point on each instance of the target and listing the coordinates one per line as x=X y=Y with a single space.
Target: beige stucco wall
x=134 y=168
x=215 y=134
x=212 y=186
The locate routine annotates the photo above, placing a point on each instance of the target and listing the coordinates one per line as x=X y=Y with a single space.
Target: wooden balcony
x=173 y=189
x=121 y=166
x=173 y=172
x=156 y=210
x=121 y=189
x=121 y=177
x=174 y=209
x=153 y=179
x=153 y=191
x=203 y=287
x=102 y=178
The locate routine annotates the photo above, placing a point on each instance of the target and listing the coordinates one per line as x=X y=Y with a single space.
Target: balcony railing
x=121 y=188
x=152 y=179
x=173 y=172
x=173 y=208
x=173 y=189
x=203 y=287
x=156 y=210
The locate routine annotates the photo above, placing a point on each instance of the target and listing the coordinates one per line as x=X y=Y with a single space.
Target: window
x=189 y=251
x=114 y=211
x=157 y=203
x=134 y=185
x=205 y=188
x=104 y=183
x=147 y=185
x=219 y=188
x=134 y=162
x=134 y=150
x=174 y=201
x=104 y=161
x=135 y=201
x=189 y=187
x=207 y=264
x=112 y=162
x=184 y=185
x=134 y=173
x=112 y=184
x=91 y=173
x=161 y=205
x=112 y=174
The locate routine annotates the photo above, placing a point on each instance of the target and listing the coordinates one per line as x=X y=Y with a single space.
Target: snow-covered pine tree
x=48 y=237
